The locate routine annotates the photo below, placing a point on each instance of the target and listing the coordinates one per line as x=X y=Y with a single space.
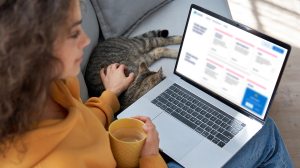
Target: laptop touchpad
x=176 y=139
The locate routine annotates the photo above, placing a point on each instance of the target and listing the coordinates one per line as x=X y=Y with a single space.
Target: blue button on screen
x=277 y=49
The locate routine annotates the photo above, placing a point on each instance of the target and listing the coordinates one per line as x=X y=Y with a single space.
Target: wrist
x=150 y=153
x=115 y=91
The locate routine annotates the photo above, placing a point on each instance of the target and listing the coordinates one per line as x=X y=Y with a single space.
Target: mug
x=127 y=138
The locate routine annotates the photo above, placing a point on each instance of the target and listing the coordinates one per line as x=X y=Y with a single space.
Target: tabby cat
x=137 y=54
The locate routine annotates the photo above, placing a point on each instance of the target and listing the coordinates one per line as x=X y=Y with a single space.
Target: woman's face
x=69 y=48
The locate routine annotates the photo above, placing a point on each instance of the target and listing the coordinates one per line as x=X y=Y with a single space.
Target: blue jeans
x=265 y=149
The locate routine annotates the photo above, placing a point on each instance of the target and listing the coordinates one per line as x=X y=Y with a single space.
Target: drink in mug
x=128 y=134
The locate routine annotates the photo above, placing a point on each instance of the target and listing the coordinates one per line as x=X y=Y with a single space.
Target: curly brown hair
x=28 y=30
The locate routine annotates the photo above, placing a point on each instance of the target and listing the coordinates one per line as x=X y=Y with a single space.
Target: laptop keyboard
x=204 y=118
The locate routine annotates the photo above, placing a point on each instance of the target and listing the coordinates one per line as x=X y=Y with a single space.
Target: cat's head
x=144 y=81
x=145 y=77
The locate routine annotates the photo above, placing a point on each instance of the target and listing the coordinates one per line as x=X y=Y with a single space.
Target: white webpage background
x=227 y=60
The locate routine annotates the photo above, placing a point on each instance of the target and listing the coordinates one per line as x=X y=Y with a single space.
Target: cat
x=137 y=53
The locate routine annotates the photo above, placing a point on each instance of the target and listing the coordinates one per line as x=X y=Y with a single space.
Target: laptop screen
x=231 y=61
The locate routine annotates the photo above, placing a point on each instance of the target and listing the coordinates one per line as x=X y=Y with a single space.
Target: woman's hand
x=114 y=78
x=151 y=146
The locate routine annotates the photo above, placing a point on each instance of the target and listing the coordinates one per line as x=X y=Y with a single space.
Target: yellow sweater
x=78 y=141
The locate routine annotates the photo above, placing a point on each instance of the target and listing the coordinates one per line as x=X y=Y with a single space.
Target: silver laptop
x=220 y=93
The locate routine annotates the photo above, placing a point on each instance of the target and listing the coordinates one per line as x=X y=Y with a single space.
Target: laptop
x=220 y=93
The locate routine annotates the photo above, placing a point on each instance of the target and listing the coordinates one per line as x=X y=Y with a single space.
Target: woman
x=43 y=122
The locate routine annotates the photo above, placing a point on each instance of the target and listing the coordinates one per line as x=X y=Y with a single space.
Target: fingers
x=114 y=78
x=122 y=67
x=130 y=77
x=142 y=118
x=149 y=127
x=110 y=68
x=114 y=66
x=148 y=123
x=151 y=146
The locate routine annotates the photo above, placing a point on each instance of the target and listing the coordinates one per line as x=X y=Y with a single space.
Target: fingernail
x=145 y=127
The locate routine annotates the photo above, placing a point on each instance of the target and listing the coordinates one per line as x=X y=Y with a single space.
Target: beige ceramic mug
x=127 y=138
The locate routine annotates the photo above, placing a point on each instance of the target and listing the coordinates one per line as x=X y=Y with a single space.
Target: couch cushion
x=121 y=17
x=91 y=27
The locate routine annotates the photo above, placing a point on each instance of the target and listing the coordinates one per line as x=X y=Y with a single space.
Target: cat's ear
x=143 y=67
x=160 y=70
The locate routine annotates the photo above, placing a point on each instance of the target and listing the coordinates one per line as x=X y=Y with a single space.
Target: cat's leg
x=145 y=45
x=154 y=33
x=159 y=42
x=155 y=54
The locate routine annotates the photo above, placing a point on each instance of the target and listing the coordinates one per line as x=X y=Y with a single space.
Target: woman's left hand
x=151 y=146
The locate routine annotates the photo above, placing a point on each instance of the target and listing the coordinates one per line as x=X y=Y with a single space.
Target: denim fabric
x=265 y=149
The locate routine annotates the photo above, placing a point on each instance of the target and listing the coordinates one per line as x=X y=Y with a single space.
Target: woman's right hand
x=114 y=78
x=151 y=146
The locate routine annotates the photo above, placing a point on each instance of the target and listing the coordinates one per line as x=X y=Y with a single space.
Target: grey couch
x=171 y=16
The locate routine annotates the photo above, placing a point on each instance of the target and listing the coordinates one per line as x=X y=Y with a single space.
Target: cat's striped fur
x=137 y=54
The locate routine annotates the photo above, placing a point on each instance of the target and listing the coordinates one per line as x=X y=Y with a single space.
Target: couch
x=168 y=14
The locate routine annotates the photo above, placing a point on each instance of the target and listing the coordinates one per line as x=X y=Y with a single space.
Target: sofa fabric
x=120 y=17
x=91 y=27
